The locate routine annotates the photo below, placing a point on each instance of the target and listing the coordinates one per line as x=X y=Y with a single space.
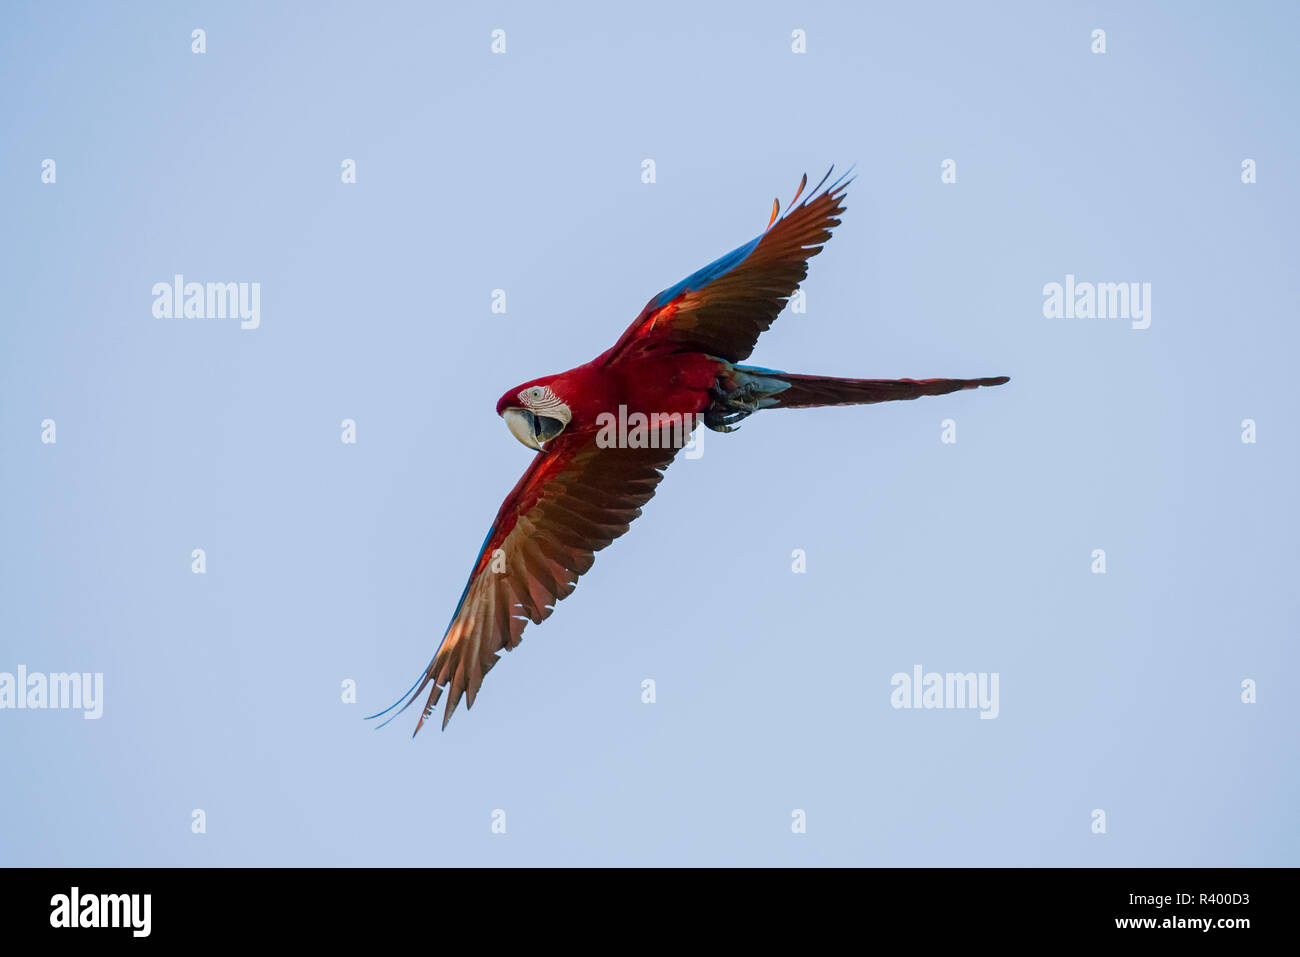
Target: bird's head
x=534 y=413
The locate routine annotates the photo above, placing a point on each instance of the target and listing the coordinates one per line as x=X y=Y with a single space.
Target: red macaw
x=679 y=357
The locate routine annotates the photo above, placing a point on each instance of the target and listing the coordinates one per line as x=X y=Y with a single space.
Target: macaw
x=680 y=357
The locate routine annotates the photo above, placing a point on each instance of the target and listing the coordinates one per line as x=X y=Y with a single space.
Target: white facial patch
x=540 y=400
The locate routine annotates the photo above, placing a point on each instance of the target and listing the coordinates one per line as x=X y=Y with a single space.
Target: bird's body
x=679 y=361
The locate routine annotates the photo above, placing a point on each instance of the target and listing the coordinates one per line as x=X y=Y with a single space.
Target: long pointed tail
x=806 y=391
x=740 y=391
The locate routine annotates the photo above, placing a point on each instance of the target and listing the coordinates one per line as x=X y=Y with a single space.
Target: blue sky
x=328 y=562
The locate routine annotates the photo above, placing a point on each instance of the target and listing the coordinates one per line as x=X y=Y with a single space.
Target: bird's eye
x=535 y=393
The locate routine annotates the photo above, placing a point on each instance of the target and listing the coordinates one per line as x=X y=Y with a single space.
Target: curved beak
x=523 y=426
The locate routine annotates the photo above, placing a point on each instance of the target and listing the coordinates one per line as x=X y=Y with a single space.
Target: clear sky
x=329 y=562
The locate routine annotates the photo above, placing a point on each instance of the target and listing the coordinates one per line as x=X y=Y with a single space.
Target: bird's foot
x=730 y=407
x=720 y=422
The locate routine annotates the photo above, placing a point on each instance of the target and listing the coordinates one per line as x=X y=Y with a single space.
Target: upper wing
x=722 y=309
x=574 y=499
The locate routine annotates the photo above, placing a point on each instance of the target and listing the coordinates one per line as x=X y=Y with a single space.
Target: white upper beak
x=521 y=425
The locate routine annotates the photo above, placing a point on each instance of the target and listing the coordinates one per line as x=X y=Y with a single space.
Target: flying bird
x=680 y=357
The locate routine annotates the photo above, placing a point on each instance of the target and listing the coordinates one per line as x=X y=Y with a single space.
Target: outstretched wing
x=722 y=309
x=574 y=499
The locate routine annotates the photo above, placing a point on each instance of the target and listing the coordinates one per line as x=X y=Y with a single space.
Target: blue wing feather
x=408 y=697
x=702 y=277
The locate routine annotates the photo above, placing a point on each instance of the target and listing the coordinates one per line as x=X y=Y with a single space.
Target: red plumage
x=678 y=357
